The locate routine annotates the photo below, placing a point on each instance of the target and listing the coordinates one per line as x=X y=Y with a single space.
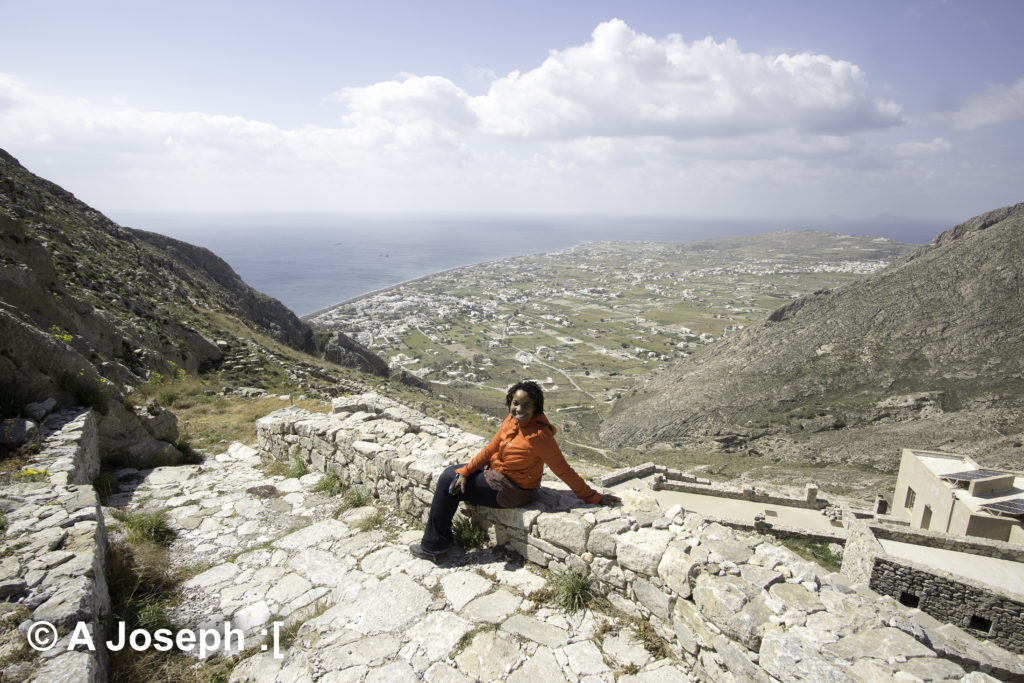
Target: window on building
x=980 y=624
x=911 y=497
x=909 y=599
x=926 y=517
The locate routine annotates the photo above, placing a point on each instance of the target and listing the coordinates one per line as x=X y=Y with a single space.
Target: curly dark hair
x=532 y=389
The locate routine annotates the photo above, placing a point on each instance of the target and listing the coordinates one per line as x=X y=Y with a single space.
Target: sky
x=672 y=108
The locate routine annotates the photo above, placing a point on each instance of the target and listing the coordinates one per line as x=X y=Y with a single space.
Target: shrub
x=142 y=588
x=274 y=468
x=85 y=392
x=192 y=456
x=167 y=397
x=61 y=335
x=468 y=535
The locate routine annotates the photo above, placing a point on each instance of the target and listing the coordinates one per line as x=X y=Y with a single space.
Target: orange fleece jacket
x=520 y=453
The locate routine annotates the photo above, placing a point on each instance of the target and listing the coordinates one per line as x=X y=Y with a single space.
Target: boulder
x=17 y=431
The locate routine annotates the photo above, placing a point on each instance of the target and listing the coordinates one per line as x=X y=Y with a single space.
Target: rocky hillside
x=90 y=309
x=927 y=352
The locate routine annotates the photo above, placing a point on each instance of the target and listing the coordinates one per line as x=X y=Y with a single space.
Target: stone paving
x=369 y=610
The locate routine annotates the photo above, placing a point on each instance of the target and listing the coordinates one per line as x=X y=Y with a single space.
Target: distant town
x=590 y=321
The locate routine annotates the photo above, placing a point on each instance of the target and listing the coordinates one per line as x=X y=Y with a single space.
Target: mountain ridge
x=944 y=321
x=90 y=310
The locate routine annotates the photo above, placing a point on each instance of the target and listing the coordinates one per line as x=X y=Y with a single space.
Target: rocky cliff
x=928 y=350
x=89 y=309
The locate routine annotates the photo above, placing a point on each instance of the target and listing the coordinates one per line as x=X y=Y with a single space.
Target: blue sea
x=313 y=261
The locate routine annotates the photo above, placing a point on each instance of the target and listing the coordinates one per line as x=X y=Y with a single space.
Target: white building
x=953 y=494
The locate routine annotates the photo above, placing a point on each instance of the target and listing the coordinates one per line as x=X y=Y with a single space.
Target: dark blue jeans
x=438 y=534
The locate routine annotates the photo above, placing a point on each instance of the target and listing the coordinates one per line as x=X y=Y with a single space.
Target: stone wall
x=749 y=493
x=964 y=544
x=981 y=611
x=54 y=565
x=860 y=550
x=734 y=605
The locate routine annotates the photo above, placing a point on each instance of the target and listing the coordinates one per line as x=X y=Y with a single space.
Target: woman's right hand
x=459 y=485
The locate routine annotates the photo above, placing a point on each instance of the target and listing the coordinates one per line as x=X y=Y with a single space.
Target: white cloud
x=916 y=148
x=415 y=110
x=624 y=122
x=627 y=84
x=622 y=83
x=998 y=104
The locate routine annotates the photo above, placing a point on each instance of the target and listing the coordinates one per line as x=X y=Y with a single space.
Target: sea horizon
x=314 y=261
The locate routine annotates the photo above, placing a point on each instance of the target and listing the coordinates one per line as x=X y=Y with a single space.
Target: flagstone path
x=370 y=611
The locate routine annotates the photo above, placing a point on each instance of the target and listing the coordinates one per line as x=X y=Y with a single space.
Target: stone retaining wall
x=54 y=566
x=984 y=611
x=733 y=605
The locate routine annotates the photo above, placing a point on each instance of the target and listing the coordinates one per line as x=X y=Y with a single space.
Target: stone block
x=546 y=547
x=75 y=600
x=880 y=643
x=535 y=630
x=642 y=550
x=567 y=531
x=624 y=605
x=734 y=606
x=735 y=659
x=609 y=572
x=675 y=568
x=795 y=596
x=692 y=630
x=601 y=540
x=514 y=518
x=652 y=597
x=760 y=577
x=489 y=657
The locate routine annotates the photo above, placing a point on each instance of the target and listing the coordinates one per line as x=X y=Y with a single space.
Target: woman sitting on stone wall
x=506 y=472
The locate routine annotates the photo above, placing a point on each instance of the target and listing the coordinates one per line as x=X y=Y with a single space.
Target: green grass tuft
x=371 y=522
x=355 y=497
x=330 y=484
x=105 y=484
x=815 y=551
x=149 y=526
x=298 y=469
x=571 y=590
x=653 y=643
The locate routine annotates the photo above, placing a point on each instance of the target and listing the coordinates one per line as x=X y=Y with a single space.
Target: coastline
x=366 y=295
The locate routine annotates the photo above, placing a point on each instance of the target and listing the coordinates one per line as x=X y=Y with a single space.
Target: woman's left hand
x=610 y=499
